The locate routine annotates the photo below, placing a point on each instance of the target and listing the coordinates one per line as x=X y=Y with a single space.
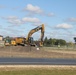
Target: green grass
x=38 y=72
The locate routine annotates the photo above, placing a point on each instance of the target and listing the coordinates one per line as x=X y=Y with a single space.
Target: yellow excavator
x=29 y=39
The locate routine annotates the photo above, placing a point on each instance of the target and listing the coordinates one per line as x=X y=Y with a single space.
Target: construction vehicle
x=18 y=41
x=29 y=39
x=26 y=41
x=13 y=42
x=7 y=41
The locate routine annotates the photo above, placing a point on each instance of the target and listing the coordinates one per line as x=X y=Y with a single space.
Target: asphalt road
x=36 y=61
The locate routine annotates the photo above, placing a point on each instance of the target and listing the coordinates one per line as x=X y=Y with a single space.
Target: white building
x=1 y=37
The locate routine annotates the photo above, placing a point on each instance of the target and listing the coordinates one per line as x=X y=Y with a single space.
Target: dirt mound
x=33 y=52
x=18 y=48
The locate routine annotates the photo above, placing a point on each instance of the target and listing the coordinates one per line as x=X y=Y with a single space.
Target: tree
x=45 y=41
x=70 y=44
x=60 y=42
x=52 y=41
x=75 y=39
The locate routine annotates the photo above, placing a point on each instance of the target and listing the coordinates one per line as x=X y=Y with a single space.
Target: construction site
x=27 y=47
x=37 y=37
x=24 y=41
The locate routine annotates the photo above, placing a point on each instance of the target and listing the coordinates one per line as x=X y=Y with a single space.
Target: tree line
x=53 y=42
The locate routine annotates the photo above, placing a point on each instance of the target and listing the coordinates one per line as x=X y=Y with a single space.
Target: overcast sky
x=18 y=17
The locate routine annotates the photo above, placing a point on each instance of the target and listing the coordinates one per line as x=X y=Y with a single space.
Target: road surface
x=36 y=61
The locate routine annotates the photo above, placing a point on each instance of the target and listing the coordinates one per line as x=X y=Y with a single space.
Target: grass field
x=37 y=71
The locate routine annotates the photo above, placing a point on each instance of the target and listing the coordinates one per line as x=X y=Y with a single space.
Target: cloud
x=37 y=24
x=36 y=10
x=71 y=19
x=14 y=20
x=11 y=17
x=33 y=9
x=31 y=20
x=50 y=14
x=64 y=26
x=12 y=31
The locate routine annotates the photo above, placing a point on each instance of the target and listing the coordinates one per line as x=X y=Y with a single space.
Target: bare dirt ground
x=24 y=67
x=32 y=52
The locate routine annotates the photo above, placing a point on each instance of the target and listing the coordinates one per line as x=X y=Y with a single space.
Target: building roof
x=1 y=36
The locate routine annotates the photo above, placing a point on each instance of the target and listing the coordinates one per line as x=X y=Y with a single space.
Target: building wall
x=1 y=38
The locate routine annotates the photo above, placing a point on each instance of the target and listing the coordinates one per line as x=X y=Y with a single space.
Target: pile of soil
x=18 y=48
x=33 y=52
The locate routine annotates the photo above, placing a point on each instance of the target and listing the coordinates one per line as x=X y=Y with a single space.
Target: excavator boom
x=41 y=27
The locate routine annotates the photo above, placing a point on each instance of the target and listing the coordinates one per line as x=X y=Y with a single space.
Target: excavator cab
x=31 y=41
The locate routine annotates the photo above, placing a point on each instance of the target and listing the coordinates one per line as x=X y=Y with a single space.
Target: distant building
x=1 y=37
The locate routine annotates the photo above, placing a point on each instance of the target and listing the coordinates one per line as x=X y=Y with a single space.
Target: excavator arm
x=35 y=30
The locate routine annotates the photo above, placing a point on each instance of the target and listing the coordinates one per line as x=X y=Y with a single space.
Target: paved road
x=36 y=61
